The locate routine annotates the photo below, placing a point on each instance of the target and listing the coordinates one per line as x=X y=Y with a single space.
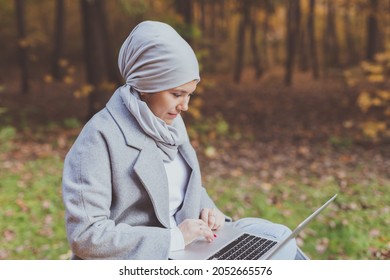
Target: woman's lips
x=172 y=115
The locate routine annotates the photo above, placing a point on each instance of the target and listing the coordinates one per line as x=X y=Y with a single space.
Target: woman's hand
x=194 y=228
x=214 y=218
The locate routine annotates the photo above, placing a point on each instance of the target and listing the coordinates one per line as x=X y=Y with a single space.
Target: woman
x=131 y=183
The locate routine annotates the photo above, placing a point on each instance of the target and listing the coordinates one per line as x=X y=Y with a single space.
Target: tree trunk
x=331 y=45
x=244 y=22
x=222 y=28
x=372 y=30
x=293 y=19
x=110 y=63
x=203 y=16
x=386 y=30
x=264 y=42
x=185 y=9
x=22 y=44
x=255 y=49
x=93 y=52
x=58 y=39
x=352 y=54
x=303 y=54
x=312 y=41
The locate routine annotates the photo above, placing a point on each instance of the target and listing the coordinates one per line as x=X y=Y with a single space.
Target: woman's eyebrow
x=180 y=90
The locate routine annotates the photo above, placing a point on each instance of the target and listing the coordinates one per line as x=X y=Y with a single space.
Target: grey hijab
x=155 y=58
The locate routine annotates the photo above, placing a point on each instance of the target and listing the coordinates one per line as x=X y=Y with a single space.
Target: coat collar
x=132 y=132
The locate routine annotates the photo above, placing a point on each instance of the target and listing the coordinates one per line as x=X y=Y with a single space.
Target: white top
x=178 y=174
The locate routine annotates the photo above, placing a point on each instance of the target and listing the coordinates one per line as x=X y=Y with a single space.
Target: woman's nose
x=183 y=106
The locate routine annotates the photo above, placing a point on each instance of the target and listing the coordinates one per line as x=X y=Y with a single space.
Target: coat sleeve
x=206 y=201
x=87 y=196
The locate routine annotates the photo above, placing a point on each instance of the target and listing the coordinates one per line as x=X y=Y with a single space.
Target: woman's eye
x=176 y=94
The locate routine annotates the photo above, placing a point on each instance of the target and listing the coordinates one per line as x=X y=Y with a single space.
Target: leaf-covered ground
x=265 y=150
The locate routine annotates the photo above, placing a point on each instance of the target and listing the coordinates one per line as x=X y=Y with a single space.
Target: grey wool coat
x=115 y=190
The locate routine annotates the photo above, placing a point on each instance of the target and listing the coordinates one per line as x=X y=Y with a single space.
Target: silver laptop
x=232 y=243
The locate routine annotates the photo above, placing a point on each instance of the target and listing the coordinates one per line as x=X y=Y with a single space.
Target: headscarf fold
x=154 y=58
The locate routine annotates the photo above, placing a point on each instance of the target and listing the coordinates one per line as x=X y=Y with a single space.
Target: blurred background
x=293 y=106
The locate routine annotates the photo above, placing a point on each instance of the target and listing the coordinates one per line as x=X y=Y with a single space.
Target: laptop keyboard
x=245 y=247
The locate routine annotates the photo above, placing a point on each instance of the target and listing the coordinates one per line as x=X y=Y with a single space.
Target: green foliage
x=185 y=30
x=209 y=129
x=221 y=127
x=206 y=133
x=341 y=142
x=7 y=134
x=3 y=110
x=134 y=8
x=4 y=118
x=72 y=123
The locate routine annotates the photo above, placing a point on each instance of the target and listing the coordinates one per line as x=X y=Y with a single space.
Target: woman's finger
x=206 y=232
x=219 y=220
x=204 y=215
x=193 y=229
x=212 y=219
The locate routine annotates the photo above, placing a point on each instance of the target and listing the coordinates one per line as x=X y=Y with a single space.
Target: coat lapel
x=149 y=166
x=150 y=170
x=190 y=207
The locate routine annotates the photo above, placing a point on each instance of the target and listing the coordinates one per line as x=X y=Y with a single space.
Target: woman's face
x=168 y=104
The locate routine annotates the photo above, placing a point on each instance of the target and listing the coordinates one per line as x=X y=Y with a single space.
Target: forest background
x=293 y=106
